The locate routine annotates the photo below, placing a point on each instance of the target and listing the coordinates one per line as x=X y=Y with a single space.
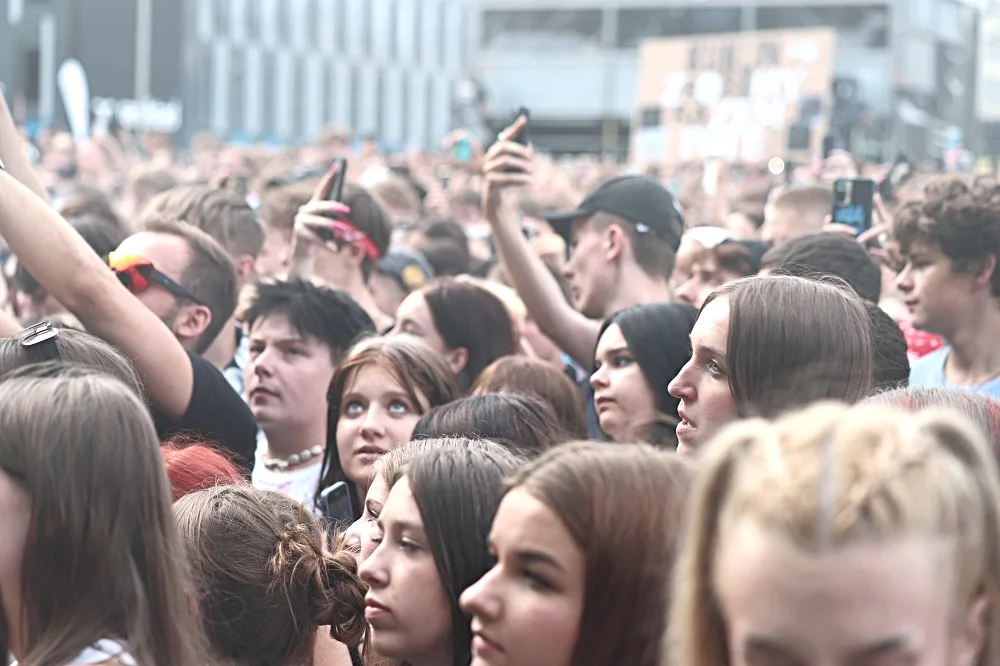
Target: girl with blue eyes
x=639 y=350
x=763 y=346
x=379 y=391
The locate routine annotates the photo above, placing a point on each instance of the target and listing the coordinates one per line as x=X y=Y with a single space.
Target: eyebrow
x=279 y=341
x=535 y=556
x=615 y=350
x=711 y=350
x=882 y=647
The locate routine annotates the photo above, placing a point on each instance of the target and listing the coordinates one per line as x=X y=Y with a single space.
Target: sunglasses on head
x=137 y=274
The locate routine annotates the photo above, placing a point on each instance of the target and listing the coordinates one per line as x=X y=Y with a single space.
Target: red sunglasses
x=137 y=274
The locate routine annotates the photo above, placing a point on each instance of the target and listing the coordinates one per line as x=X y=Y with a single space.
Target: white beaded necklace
x=281 y=464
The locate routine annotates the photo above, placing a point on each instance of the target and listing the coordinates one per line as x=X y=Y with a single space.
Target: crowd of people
x=499 y=410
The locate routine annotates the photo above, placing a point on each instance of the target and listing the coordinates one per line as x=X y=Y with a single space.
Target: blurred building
x=903 y=73
x=273 y=70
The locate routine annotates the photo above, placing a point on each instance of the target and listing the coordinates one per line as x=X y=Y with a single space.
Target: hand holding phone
x=335 y=193
x=853 y=203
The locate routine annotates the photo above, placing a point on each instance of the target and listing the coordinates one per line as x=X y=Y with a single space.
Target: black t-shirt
x=216 y=413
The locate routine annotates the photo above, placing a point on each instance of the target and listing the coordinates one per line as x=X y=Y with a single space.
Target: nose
x=373 y=570
x=904 y=281
x=686 y=292
x=599 y=379
x=373 y=427
x=682 y=387
x=352 y=537
x=480 y=598
x=261 y=364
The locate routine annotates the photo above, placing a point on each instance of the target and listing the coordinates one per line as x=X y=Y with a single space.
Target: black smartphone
x=901 y=171
x=853 y=203
x=336 y=194
x=337 y=505
x=524 y=136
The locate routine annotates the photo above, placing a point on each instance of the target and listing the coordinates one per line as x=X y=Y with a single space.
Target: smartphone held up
x=854 y=203
x=336 y=193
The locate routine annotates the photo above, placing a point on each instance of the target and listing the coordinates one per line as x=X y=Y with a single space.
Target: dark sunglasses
x=41 y=342
x=137 y=274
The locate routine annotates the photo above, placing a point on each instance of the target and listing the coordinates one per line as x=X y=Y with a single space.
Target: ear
x=973 y=633
x=615 y=240
x=246 y=269
x=984 y=270
x=457 y=359
x=191 y=322
x=354 y=255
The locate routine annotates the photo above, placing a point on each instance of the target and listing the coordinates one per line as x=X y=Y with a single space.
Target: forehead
x=612 y=338
x=832 y=601
x=712 y=327
x=414 y=306
x=170 y=254
x=371 y=378
x=523 y=518
x=400 y=505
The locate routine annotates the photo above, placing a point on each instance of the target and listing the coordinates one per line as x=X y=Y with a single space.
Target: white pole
x=143 y=56
x=47 y=67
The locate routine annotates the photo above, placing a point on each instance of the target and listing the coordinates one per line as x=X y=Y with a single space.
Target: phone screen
x=337 y=506
x=853 y=203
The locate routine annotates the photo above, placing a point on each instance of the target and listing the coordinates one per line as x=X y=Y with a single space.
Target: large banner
x=740 y=97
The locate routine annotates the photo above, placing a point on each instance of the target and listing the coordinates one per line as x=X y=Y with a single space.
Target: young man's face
x=287 y=375
x=171 y=255
x=936 y=295
x=590 y=272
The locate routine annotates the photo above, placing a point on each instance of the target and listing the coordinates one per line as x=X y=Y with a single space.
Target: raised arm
x=67 y=267
x=508 y=166
x=12 y=154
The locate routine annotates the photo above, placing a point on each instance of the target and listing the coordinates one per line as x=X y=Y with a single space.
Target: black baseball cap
x=642 y=201
x=408 y=267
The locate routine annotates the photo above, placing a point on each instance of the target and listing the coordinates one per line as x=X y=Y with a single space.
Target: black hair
x=892 y=364
x=824 y=253
x=522 y=423
x=329 y=315
x=370 y=217
x=470 y=317
x=458 y=492
x=440 y=228
x=659 y=338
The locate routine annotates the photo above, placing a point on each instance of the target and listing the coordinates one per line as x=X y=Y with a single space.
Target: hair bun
x=337 y=597
x=333 y=591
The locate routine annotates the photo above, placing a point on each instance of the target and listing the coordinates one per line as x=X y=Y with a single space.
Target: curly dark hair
x=960 y=214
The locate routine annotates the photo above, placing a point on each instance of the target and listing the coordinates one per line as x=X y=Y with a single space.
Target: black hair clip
x=41 y=342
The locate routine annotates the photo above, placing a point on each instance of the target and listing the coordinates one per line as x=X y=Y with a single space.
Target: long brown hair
x=266 y=580
x=411 y=362
x=102 y=558
x=794 y=341
x=602 y=494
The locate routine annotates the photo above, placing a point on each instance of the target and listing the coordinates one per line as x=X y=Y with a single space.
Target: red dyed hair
x=195 y=465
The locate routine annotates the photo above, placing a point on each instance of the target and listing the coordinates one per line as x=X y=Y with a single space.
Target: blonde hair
x=830 y=476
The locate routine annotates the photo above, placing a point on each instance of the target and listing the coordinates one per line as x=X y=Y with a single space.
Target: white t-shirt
x=299 y=483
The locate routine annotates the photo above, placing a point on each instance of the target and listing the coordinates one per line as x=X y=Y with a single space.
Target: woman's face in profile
x=624 y=401
x=363 y=535
x=527 y=610
x=871 y=604
x=702 y=385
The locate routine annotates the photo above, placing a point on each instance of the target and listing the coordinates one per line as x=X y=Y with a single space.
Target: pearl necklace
x=282 y=464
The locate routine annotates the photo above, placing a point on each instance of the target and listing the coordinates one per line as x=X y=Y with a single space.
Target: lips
x=483 y=645
x=602 y=402
x=369 y=453
x=375 y=610
x=262 y=392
